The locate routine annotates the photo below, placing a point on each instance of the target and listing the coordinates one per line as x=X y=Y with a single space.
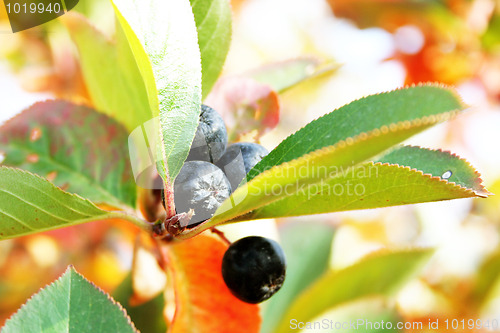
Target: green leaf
x=307 y=259
x=379 y=274
x=409 y=175
x=380 y=121
x=284 y=75
x=112 y=77
x=163 y=38
x=335 y=142
x=213 y=21
x=77 y=148
x=70 y=304
x=125 y=36
x=31 y=204
x=437 y=163
x=147 y=317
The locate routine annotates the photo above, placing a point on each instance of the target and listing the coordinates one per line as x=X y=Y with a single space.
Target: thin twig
x=221 y=235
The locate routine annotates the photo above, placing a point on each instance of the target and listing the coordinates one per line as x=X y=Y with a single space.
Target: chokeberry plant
x=66 y=164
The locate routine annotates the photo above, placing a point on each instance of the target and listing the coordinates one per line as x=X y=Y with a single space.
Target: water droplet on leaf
x=446 y=175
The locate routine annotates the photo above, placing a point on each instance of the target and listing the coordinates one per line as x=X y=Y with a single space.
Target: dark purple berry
x=254 y=268
x=210 y=141
x=200 y=186
x=239 y=159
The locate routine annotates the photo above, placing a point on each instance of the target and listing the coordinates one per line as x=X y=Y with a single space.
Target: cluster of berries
x=212 y=172
x=254 y=267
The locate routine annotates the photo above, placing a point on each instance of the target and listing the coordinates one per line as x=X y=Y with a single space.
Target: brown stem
x=171 y=227
x=221 y=235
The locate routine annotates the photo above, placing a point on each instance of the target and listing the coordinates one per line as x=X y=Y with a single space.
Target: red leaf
x=77 y=148
x=246 y=105
x=203 y=302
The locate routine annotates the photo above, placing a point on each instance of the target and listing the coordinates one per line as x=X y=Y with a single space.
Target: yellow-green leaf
x=378 y=274
x=112 y=77
x=163 y=38
x=438 y=163
x=404 y=176
x=366 y=186
x=31 y=204
x=335 y=143
x=213 y=21
x=377 y=122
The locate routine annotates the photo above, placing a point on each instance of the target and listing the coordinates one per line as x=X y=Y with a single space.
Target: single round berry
x=254 y=268
x=200 y=186
x=210 y=140
x=239 y=159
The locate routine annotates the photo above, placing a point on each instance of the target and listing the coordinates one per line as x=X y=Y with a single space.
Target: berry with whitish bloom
x=239 y=159
x=200 y=186
x=210 y=141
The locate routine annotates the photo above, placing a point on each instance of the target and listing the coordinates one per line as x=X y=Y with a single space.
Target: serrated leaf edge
x=443 y=116
x=108 y=296
x=22 y=171
x=436 y=178
x=86 y=105
x=106 y=215
x=71 y=269
x=41 y=102
x=454 y=187
x=394 y=127
x=481 y=192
